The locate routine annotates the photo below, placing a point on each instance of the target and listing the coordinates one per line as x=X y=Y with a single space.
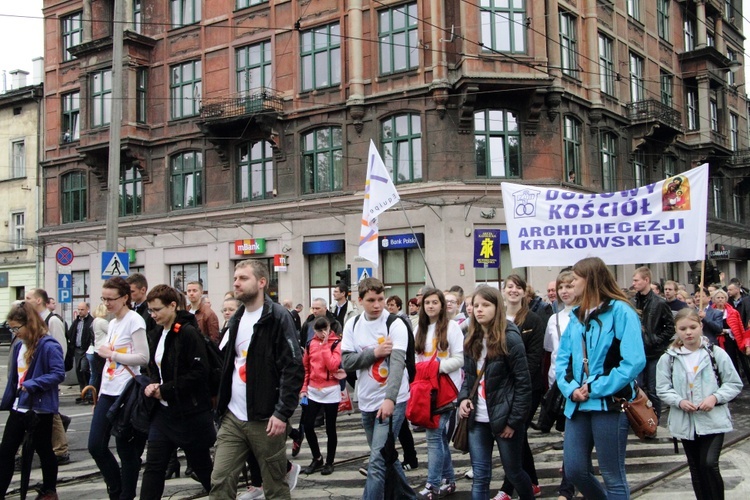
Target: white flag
x=380 y=195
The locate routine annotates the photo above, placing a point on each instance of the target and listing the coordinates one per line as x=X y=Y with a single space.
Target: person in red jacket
x=733 y=339
x=322 y=361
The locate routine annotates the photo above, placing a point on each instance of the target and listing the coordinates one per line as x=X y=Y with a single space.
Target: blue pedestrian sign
x=64 y=281
x=115 y=264
x=65 y=296
x=363 y=273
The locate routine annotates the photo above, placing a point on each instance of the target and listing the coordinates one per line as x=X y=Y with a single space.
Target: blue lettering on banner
x=401 y=241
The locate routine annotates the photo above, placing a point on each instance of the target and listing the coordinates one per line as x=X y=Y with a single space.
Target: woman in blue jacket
x=592 y=376
x=36 y=370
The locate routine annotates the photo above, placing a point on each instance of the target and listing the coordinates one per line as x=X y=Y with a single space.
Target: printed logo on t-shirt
x=240 y=361
x=114 y=368
x=431 y=352
x=379 y=371
x=482 y=389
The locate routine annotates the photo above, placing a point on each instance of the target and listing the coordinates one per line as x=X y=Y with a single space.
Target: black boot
x=173 y=468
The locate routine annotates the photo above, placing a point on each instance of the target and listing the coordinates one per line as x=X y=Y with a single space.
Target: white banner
x=380 y=195
x=661 y=222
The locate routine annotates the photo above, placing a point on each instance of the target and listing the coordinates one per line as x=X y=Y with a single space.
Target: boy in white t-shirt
x=379 y=356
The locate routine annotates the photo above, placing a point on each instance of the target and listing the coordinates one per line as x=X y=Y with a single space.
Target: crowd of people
x=164 y=375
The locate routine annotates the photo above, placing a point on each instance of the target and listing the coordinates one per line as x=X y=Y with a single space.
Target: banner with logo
x=661 y=222
x=487 y=248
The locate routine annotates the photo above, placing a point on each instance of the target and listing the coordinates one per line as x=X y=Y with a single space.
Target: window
x=640 y=172
x=568 y=41
x=187 y=180
x=497 y=143
x=185 y=89
x=131 y=191
x=321 y=57
x=662 y=19
x=734 y=131
x=72 y=31
x=572 y=145
x=606 y=66
x=322 y=160
x=689 y=27
x=17 y=230
x=637 y=87
x=503 y=25
x=710 y=40
x=609 y=161
x=141 y=103
x=738 y=215
x=716 y=189
x=731 y=76
x=322 y=269
x=255 y=171
x=398 y=39
x=667 y=88
x=402 y=147
x=74 y=197
x=669 y=166
x=101 y=97
x=713 y=113
x=634 y=9
x=729 y=9
x=242 y=4
x=691 y=96
x=403 y=272
x=254 y=67
x=71 y=104
x=185 y=12
x=18 y=159
x=137 y=16
x=182 y=274
x=81 y=289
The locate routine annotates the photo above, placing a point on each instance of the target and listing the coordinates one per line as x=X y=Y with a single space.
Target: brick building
x=247 y=119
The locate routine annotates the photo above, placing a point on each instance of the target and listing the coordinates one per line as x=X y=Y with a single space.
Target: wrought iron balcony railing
x=653 y=110
x=260 y=101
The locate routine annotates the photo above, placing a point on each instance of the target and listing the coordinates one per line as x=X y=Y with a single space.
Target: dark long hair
x=25 y=314
x=520 y=316
x=600 y=285
x=441 y=325
x=496 y=344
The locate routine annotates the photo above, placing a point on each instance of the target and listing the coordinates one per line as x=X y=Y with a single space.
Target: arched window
x=74 y=197
x=322 y=160
x=402 y=147
x=255 y=176
x=187 y=179
x=497 y=143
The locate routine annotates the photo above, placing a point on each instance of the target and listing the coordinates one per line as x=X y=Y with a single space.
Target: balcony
x=650 y=120
x=239 y=117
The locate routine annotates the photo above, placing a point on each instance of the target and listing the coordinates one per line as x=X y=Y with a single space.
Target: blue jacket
x=45 y=374
x=713 y=323
x=614 y=345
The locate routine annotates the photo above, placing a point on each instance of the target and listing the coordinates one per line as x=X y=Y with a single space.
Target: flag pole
x=703 y=272
x=421 y=252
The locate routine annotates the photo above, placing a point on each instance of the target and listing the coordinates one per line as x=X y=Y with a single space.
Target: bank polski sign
x=661 y=222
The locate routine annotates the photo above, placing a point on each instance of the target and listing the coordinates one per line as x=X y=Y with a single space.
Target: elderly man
x=319 y=309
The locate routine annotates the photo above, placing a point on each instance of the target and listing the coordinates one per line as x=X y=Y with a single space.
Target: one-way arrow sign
x=64 y=281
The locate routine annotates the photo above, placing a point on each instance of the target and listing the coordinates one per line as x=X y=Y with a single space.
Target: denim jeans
x=377 y=434
x=121 y=485
x=96 y=365
x=703 y=459
x=647 y=381
x=439 y=462
x=481 y=443
x=608 y=431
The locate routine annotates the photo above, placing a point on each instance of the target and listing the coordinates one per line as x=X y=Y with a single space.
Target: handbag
x=345 y=405
x=640 y=413
x=553 y=408
x=461 y=435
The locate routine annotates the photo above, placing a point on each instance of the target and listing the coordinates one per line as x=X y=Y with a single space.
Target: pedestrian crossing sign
x=115 y=264
x=363 y=273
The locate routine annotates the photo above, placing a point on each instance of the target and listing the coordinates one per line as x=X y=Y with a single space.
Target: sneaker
x=252 y=493
x=447 y=489
x=469 y=473
x=314 y=466
x=429 y=492
x=501 y=495
x=327 y=470
x=292 y=475
x=537 y=490
x=297 y=438
x=410 y=465
x=63 y=459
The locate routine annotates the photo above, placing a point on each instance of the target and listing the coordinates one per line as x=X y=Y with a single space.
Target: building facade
x=251 y=120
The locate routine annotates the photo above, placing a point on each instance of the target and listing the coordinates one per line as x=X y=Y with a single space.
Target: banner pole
x=703 y=272
x=421 y=252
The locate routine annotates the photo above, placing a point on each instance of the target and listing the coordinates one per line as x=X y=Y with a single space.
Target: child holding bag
x=697 y=380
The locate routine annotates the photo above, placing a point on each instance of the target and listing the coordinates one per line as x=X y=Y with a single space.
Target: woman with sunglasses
x=36 y=370
x=124 y=351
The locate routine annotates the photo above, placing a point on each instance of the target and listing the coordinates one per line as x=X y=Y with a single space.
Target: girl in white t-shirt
x=440 y=337
x=124 y=351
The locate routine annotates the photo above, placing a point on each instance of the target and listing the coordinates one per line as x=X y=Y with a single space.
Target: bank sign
x=250 y=247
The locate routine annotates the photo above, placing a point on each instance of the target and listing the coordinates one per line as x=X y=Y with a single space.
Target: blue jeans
x=481 y=443
x=439 y=462
x=608 y=431
x=377 y=434
x=121 y=485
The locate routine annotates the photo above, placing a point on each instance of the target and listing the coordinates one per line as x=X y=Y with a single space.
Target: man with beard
x=259 y=389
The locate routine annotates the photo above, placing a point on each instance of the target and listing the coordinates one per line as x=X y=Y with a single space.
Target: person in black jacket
x=80 y=337
x=657 y=326
x=260 y=386
x=498 y=411
x=178 y=368
x=319 y=308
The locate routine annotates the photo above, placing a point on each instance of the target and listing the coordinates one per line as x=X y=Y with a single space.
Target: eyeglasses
x=451 y=302
x=107 y=299
x=152 y=310
x=15 y=329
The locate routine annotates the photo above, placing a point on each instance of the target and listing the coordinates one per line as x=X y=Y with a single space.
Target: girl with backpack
x=437 y=336
x=697 y=380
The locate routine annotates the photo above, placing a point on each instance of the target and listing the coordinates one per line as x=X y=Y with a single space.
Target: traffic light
x=344 y=277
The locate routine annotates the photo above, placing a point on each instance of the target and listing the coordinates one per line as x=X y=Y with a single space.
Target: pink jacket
x=321 y=362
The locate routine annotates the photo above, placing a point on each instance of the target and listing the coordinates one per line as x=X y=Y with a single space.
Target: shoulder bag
x=461 y=436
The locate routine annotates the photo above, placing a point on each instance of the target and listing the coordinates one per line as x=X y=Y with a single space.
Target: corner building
x=246 y=126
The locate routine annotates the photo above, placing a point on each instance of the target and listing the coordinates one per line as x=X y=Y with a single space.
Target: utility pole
x=115 y=129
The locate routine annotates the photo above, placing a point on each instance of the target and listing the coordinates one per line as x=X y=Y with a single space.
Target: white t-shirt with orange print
x=245 y=330
x=455 y=346
x=120 y=339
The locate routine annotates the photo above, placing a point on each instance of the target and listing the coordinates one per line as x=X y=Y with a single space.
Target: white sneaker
x=469 y=473
x=252 y=493
x=292 y=475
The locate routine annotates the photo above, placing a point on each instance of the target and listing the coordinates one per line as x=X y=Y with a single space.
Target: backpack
x=411 y=364
x=70 y=353
x=215 y=365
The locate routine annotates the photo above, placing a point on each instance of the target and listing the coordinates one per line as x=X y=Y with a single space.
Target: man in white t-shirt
x=379 y=356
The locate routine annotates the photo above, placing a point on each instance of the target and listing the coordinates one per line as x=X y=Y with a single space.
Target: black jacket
x=743 y=307
x=142 y=309
x=657 y=323
x=87 y=336
x=274 y=365
x=532 y=333
x=304 y=335
x=507 y=385
x=184 y=367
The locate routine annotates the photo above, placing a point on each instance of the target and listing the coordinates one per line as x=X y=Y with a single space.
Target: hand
x=384 y=349
x=701 y=313
x=339 y=374
x=105 y=351
x=687 y=406
x=507 y=432
x=581 y=394
x=708 y=403
x=153 y=391
x=275 y=427
x=302 y=394
x=747 y=351
x=465 y=408
x=386 y=410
